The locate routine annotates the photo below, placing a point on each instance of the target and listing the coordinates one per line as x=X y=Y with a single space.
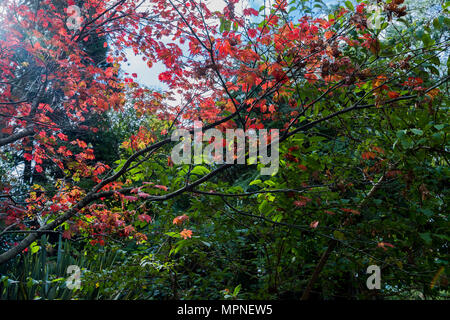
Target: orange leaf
x=186 y=233
x=393 y=94
x=180 y=219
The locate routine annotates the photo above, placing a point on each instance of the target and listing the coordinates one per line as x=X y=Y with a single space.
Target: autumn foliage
x=358 y=114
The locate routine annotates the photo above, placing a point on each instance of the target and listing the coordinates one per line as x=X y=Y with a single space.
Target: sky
x=149 y=77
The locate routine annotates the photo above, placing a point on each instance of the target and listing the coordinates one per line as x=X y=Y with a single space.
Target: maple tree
x=359 y=114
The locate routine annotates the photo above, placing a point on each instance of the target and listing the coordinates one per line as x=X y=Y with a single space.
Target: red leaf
x=350 y=211
x=180 y=219
x=165 y=76
x=160 y=187
x=62 y=136
x=360 y=8
x=7 y=130
x=145 y=218
x=368 y=155
x=251 y=33
x=143 y=195
x=393 y=94
x=130 y=198
x=80 y=143
x=250 y=11
x=384 y=245
x=127 y=230
x=66 y=234
x=299 y=203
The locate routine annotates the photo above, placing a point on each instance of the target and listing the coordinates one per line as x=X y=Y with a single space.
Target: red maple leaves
x=228 y=65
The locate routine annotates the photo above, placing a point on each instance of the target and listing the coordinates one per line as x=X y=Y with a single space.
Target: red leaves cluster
x=302 y=202
x=245 y=61
x=384 y=245
x=353 y=211
x=180 y=219
x=186 y=233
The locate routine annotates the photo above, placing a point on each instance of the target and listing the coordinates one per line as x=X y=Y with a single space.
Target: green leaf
x=277 y=218
x=417 y=132
x=173 y=234
x=236 y=290
x=426 y=237
x=338 y=235
x=264 y=207
x=270 y=183
x=208 y=244
x=436 y=23
x=427 y=212
x=34 y=247
x=200 y=170
x=179 y=245
x=257 y=182
x=349 y=5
